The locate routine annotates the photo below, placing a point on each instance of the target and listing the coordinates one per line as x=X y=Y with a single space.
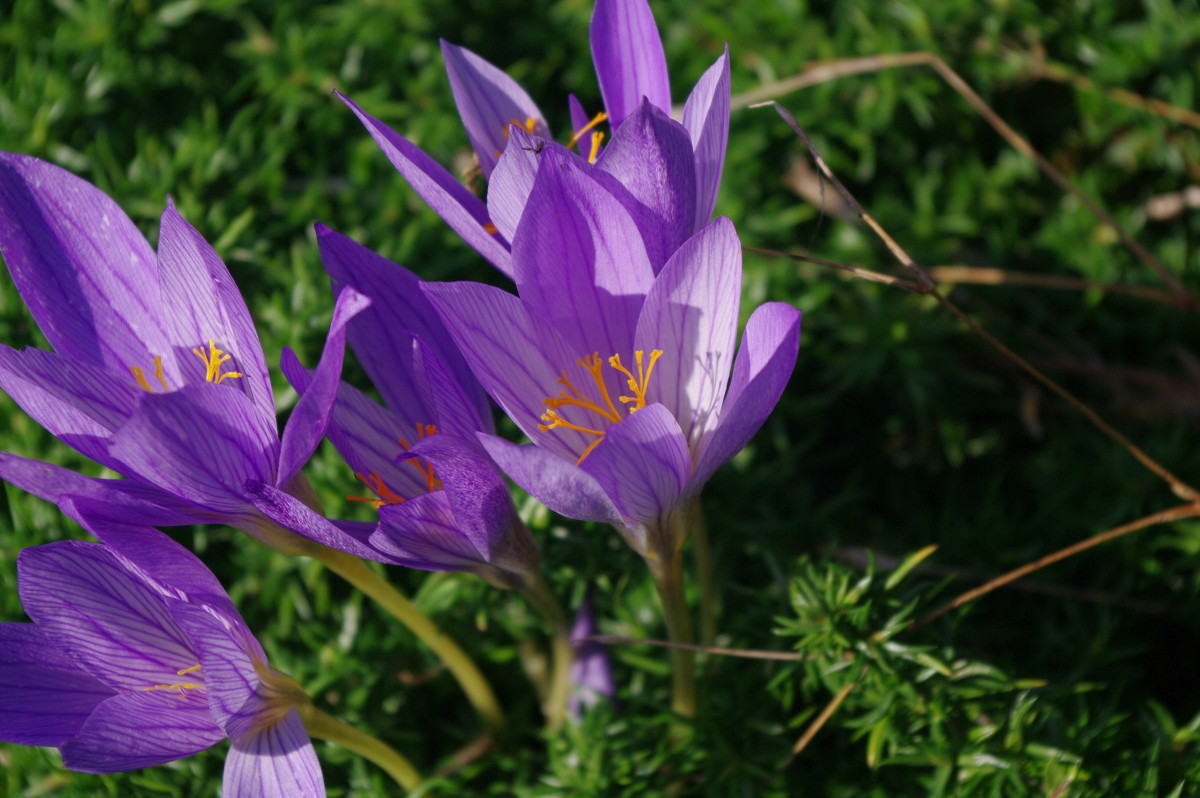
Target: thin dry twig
x=988 y=275
x=1164 y=517
x=821 y=72
x=865 y=274
x=1184 y=116
x=748 y=653
x=1178 y=486
x=820 y=720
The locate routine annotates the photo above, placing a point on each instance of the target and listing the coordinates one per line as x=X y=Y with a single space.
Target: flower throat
x=605 y=408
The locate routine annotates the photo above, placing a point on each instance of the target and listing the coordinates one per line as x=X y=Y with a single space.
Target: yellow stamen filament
x=597 y=137
x=140 y=376
x=181 y=686
x=578 y=134
x=212 y=358
x=572 y=397
x=639 y=385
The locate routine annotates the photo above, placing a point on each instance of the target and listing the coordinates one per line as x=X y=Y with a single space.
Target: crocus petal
x=462 y=210
x=157 y=559
x=140 y=730
x=424 y=533
x=691 y=314
x=381 y=335
x=138 y=503
x=78 y=403
x=563 y=487
x=44 y=696
x=488 y=102
x=580 y=264
x=292 y=514
x=764 y=363
x=227 y=652
x=481 y=502
x=200 y=443
x=517 y=357
x=366 y=435
x=306 y=426
x=651 y=169
x=706 y=117
x=111 y=623
x=201 y=303
x=629 y=58
x=459 y=411
x=85 y=272
x=642 y=463
x=512 y=180
x=277 y=760
x=579 y=117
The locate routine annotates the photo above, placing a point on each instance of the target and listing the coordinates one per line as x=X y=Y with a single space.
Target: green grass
x=900 y=429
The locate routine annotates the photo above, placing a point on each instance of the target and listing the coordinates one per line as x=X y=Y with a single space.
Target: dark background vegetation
x=899 y=429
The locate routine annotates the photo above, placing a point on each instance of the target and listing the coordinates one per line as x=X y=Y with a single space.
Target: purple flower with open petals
x=666 y=173
x=137 y=657
x=157 y=371
x=442 y=503
x=620 y=376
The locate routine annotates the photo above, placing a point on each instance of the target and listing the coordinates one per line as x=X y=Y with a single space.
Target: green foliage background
x=899 y=429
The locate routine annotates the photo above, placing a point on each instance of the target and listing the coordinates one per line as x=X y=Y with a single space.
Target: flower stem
x=554 y=705
x=358 y=573
x=668 y=578
x=324 y=726
x=704 y=576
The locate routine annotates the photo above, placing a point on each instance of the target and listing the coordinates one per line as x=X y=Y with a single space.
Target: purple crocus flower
x=442 y=503
x=666 y=173
x=619 y=375
x=591 y=672
x=137 y=657
x=157 y=372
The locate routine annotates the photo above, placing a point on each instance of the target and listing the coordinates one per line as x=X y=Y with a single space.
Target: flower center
x=383 y=493
x=603 y=406
x=211 y=356
x=182 y=686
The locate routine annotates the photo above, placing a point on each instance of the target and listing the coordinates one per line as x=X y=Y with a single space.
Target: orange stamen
x=529 y=125
x=572 y=397
x=578 y=134
x=140 y=376
x=639 y=385
x=181 y=686
x=212 y=358
x=432 y=482
x=491 y=228
x=597 y=137
x=375 y=482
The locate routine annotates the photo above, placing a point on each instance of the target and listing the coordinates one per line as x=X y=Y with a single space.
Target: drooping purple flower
x=442 y=503
x=591 y=672
x=620 y=376
x=157 y=371
x=666 y=173
x=137 y=657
